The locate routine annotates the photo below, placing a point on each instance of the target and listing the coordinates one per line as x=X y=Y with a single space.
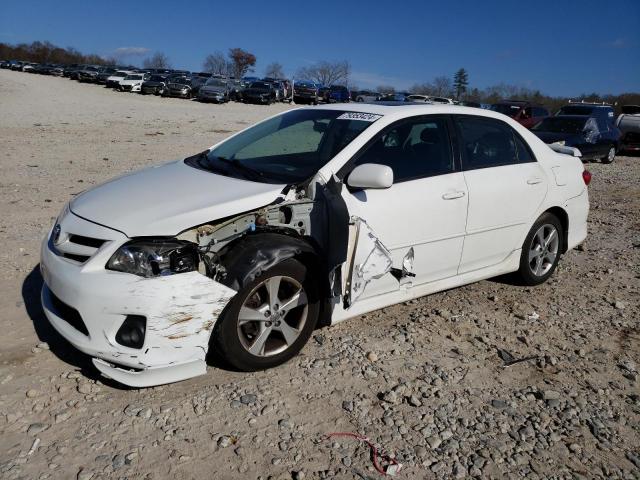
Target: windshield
x=181 y=81
x=289 y=148
x=305 y=85
x=506 y=109
x=262 y=85
x=133 y=77
x=156 y=78
x=120 y=74
x=561 y=125
x=216 y=82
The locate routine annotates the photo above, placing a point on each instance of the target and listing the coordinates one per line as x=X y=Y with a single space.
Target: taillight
x=586 y=176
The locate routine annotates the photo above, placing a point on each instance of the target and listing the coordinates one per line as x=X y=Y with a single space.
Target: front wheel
x=541 y=250
x=270 y=319
x=611 y=155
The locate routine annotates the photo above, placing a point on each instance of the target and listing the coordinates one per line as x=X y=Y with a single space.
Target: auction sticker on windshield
x=366 y=117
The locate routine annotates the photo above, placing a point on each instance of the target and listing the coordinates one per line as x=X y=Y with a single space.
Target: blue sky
x=562 y=47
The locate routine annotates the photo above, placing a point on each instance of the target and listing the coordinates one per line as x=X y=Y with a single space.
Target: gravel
x=424 y=381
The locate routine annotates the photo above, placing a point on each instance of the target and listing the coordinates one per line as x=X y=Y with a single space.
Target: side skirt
x=510 y=264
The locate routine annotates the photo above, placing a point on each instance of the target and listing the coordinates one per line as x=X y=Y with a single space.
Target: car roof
x=405 y=109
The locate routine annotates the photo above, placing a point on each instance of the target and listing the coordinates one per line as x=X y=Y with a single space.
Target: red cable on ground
x=373 y=448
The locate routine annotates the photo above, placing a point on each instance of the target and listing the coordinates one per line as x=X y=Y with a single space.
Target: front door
x=425 y=209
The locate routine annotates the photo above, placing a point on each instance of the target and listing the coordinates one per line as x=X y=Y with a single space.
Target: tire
x=541 y=250
x=610 y=156
x=238 y=344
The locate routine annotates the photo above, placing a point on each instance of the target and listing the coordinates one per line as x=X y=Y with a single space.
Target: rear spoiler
x=556 y=147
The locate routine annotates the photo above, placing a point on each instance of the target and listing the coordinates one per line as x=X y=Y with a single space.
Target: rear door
x=506 y=187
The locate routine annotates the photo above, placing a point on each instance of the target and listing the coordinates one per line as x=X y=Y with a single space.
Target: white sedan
x=308 y=218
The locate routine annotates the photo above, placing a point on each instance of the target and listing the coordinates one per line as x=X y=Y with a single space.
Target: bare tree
x=241 y=61
x=442 y=87
x=157 y=60
x=326 y=73
x=386 y=89
x=217 y=64
x=274 y=70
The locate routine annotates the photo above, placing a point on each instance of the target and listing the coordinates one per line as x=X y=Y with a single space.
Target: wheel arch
x=561 y=215
x=246 y=258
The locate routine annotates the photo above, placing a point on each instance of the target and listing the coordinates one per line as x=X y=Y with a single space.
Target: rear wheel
x=270 y=319
x=541 y=250
x=611 y=155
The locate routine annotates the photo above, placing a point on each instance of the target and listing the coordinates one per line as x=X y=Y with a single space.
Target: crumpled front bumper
x=180 y=311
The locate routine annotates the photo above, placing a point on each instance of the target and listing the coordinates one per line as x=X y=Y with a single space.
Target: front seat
x=431 y=149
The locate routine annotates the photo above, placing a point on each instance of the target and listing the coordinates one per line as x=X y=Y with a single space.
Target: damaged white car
x=307 y=218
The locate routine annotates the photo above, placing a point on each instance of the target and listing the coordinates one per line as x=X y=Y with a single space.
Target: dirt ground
x=425 y=380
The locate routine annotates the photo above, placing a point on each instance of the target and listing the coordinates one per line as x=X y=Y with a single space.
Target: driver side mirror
x=371 y=175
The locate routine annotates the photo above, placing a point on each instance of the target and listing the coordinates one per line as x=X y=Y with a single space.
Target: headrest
x=430 y=135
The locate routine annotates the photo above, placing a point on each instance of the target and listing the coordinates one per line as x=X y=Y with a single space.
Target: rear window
x=561 y=125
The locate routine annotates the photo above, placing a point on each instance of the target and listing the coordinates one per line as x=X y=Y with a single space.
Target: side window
x=524 y=154
x=413 y=149
x=486 y=143
x=527 y=113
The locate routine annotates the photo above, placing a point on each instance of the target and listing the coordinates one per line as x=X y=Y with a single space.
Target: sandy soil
x=424 y=380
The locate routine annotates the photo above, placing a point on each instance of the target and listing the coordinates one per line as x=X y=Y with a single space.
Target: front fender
x=247 y=258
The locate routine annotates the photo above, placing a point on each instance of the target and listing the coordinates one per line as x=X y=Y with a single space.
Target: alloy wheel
x=272 y=316
x=544 y=250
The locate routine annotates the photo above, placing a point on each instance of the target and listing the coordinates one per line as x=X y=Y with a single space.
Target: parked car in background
x=154 y=85
x=196 y=83
x=419 y=98
x=526 y=113
x=365 y=96
x=133 y=82
x=305 y=91
x=339 y=94
x=259 y=92
x=113 y=81
x=105 y=73
x=88 y=74
x=215 y=90
x=395 y=97
x=323 y=93
x=178 y=87
x=599 y=110
x=593 y=136
x=629 y=124
x=442 y=100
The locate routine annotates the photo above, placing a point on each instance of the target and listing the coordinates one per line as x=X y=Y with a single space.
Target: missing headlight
x=155 y=257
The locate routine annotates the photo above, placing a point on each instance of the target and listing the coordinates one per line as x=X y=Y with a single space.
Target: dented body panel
x=181 y=310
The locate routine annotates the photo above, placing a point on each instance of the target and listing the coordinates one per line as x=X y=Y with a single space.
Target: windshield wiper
x=250 y=172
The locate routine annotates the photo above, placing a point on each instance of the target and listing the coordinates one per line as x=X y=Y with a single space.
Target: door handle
x=534 y=181
x=453 y=195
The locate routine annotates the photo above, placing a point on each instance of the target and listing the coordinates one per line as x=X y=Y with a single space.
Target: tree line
x=238 y=63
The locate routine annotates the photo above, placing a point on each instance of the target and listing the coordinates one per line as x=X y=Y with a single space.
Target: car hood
x=152 y=84
x=168 y=199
